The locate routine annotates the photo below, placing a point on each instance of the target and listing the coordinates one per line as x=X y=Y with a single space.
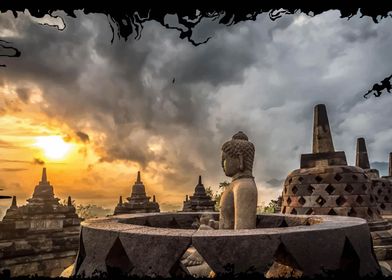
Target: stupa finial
x=13 y=204
x=322 y=139
x=362 y=158
x=390 y=165
x=138 y=180
x=44 y=178
x=69 y=201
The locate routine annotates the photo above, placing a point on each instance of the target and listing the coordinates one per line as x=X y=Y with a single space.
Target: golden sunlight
x=54 y=147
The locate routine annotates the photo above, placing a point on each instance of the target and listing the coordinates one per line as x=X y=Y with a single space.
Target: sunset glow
x=54 y=147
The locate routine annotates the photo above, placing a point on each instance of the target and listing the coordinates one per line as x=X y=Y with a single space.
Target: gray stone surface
x=322 y=139
x=157 y=251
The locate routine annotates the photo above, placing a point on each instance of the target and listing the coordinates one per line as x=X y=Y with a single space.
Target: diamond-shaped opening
x=370 y=212
x=293 y=211
x=330 y=189
x=352 y=212
x=290 y=180
x=285 y=189
x=284 y=210
x=284 y=265
x=318 y=179
x=288 y=201
x=192 y=263
x=365 y=176
x=376 y=197
x=340 y=200
x=349 y=261
x=309 y=212
x=300 y=179
x=81 y=254
x=364 y=187
x=332 y=212
x=383 y=184
x=379 y=191
x=283 y=224
x=338 y=177
x=386 y=198
x=382 y=206
x=359 y=199
x=355 y=177
x=320 y=200
x=117 y=261
x=294 y=189
x=174 y=224
x=371 y=198
x=302 y=200
x=310 y=189
x=349 y=188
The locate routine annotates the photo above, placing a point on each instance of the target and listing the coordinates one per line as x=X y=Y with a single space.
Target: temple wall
x=50 y=265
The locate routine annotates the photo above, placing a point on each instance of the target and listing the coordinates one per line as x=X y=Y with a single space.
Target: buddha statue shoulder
x=238 y=204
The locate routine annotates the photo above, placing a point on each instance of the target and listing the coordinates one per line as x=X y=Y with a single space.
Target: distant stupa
x=199 y=201
x=138 y=202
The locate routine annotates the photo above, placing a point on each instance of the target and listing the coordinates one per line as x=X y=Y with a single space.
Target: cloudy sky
x=118 y=110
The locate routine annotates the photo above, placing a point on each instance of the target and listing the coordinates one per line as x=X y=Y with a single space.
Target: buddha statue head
x=237 y=156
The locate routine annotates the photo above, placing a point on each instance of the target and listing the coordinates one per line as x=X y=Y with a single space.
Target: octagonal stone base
x=153 y=244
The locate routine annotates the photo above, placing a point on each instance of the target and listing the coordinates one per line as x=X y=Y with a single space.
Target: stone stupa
x=326 y=185
x=381 y=187
x=199 y=201
x=138 y=202
x=41 y=237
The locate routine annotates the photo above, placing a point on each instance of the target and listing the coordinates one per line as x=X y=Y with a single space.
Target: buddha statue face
x=231 y=165
x=238 y=155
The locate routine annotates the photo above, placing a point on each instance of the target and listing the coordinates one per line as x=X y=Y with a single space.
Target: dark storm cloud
x=83 y=136
x=260 y=77
x=23 y=94
x=38 y=161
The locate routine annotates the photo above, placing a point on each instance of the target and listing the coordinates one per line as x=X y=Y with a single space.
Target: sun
x=54 y=147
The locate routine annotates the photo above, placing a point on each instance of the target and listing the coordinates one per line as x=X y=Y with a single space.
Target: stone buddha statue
x=239 y=201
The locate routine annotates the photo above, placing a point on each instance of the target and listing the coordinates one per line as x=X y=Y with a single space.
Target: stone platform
x=153 y=244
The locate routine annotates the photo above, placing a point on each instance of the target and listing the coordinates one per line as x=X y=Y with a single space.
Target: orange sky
x=30 y=140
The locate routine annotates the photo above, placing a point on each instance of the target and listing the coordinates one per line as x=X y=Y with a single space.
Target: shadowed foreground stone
x=153 y=244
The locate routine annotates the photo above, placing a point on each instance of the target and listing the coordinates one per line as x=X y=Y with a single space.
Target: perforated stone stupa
x=199 y=201
x=326 y=185
x=41 y=237
x=381 y=187
x=138 y=202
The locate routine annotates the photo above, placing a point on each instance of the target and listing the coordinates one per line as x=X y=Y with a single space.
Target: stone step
x=383 y=252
